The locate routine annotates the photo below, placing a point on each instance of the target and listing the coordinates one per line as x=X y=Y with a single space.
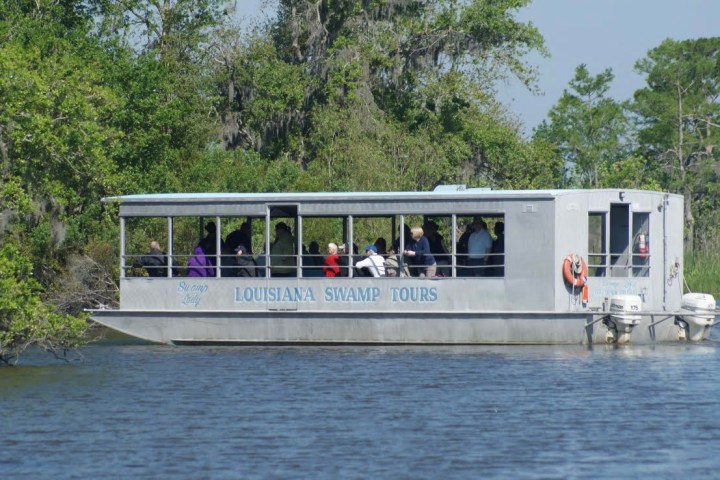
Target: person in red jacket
x=332 y=268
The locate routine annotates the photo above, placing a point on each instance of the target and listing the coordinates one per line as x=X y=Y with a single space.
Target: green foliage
x=701 y=272
x=382 y=83
x=679 y=117
x=51 y=130
x=632 y=172
x=588 y=128
x=218 y=170
x=24 y=319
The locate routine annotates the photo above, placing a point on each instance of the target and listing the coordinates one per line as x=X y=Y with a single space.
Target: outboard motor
x=697 y=315
x=624 y=315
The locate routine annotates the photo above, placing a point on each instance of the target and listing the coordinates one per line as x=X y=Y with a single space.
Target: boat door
x=620 y=240
x=281 y=242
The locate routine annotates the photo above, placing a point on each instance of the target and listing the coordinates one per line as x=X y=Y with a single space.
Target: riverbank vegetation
x=102 y=98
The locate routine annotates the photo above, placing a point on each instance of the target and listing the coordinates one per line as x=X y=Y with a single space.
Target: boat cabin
x=629 y=241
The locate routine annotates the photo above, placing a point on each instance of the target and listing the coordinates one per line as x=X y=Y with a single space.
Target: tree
x=24 y=319
x=402 y=74
x=679 y=119
x=56 y=161
x=589 y=129
x=56 y=143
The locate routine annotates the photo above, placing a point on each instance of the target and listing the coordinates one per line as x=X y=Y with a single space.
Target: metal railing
x=309 y=265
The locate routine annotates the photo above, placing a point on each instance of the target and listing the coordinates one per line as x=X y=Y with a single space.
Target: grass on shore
x=702 y=273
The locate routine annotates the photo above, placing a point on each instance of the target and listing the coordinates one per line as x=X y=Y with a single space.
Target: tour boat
x=574 y=267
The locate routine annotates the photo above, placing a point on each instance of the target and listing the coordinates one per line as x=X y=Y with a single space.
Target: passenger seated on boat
x=497 y=259
x=479 y=245
x=345 y=257
x=437 y=247
x=392 y=265
x=372 y=265
x=227 y=261
x=199 y=265
x=313 y=261
x=154 y=263
x=260 y=261
x=422 y=262
x=332 y=268
x=462 y=250
x=381 y=245
x=245 y=265
x=241 y=236
x=282 y=253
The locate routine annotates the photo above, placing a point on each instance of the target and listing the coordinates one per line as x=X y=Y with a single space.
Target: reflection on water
x=128 y=409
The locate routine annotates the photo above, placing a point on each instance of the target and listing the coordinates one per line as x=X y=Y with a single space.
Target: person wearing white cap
x=373 y=262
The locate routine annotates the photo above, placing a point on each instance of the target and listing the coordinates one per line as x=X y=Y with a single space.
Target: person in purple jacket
x=199 y=265
x=417 y=251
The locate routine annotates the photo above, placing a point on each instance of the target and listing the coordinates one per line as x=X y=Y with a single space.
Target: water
x=130 y=410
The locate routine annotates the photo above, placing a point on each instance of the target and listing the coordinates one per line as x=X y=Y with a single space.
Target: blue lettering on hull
x=413 y=294
x=346 y=295
x=352 y=295
x=274 y=294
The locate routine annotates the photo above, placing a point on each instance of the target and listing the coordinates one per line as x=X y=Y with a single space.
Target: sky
x=599 y=33
x=603 y=34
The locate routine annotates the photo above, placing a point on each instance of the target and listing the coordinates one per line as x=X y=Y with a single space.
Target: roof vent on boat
x=459 y=188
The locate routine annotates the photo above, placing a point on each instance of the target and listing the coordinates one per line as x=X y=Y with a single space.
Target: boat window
x=471 y=263
x=620 y=248
x=247 y=233
x=139 y=259
x=438 y=230
x=282 y=258
x=282 y=253
x=317 y=234
x=189 y=234
x=597 y=244
x=641 y=244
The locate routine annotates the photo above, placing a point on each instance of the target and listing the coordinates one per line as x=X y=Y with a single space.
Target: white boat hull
x=294 y=327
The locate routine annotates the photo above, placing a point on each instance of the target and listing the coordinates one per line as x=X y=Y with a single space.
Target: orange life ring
x=575 y=271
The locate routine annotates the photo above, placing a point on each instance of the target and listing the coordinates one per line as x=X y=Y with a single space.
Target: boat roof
x=441 y=192
x=456 y=199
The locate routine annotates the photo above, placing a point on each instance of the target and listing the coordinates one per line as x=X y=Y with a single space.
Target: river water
x=132 y=410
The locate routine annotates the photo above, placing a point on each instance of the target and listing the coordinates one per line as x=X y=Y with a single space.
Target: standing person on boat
x=209 y=242
x=418 y=253
x=199 y=265
x=154 y=263
x=245 y=265
x=332 y=261
x=372 y=262
x=479 y=245
x=282 y=252
x=406 y=236
x=238 y=237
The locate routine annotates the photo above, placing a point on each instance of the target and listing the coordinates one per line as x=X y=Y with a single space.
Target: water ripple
x=146 y=411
